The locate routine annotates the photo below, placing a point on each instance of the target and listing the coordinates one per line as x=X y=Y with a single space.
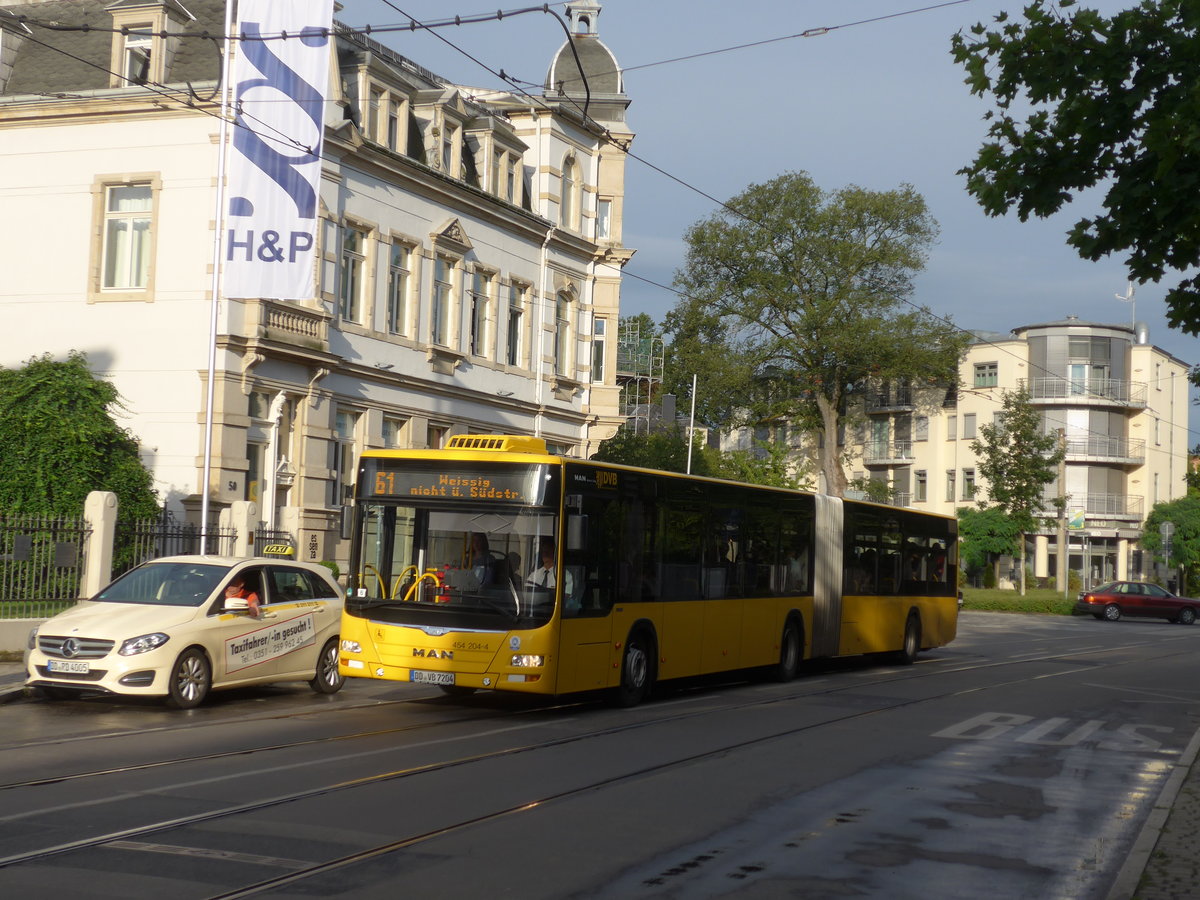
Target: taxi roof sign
x=279 y=550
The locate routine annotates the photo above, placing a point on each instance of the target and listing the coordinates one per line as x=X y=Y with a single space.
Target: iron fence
x=41 y=563
x=141 y=540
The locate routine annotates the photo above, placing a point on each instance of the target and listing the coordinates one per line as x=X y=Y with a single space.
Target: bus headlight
x=351 y=646
x=527 y=661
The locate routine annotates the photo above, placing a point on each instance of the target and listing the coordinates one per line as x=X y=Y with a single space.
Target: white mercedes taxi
x=165 y=629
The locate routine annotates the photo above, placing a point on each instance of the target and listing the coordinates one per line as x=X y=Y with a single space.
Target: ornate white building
x=469 y=246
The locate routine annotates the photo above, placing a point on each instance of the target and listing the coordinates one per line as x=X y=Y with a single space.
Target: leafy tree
x=1184 y=514
x=1108 y=101
x=797 y=298
x=1017 y=459
x=770 y=463
x=59 y=441
x=1192 y=475
x=665 y=449
x=987 y=534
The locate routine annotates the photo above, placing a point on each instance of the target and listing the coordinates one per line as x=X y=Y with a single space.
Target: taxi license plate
x=67 y=666
x=420 y=677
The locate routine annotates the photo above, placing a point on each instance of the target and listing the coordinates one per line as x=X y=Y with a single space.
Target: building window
x=256 y=465
x=512 y=335
x=921 y=487
x=375 y=107
x=450 y=150
x=127 y=216
x=599 y=337
x=968 y=484
x=510 y=186
x=481 y=288
x=987 y=374
x=952 y=428
x=921 y=428
x=570 y=185
x=342 y=461
x=603 y=219
x=443 y=287
x=351 y=268
x=950 y=485
x=135 y=63
x=498 y=158
x=393 y=432
x=436 y=436
x=968 y=426
x=399 y=267
x=395 y=109
x=562 y=335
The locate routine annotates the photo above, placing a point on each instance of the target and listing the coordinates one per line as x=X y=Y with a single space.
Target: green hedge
x=1036 y=600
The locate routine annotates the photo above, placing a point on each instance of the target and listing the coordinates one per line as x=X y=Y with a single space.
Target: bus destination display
x=524 y=485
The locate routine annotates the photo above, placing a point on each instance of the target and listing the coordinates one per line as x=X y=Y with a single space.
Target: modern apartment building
x=1120 y=402
x=469 y=254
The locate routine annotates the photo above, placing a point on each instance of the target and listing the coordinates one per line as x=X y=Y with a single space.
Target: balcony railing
x=1104 y=391
x=1100 y=449
x=1100 y=506
x=292 y=324
x=885 y=452
x=889 y=399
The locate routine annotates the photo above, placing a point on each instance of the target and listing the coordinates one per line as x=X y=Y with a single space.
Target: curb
x=1127 y=879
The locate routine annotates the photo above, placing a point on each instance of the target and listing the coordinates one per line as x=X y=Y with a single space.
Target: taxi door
x=301 y=619
x=246 y=650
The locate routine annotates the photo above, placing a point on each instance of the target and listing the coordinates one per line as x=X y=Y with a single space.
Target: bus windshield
x=454 y=568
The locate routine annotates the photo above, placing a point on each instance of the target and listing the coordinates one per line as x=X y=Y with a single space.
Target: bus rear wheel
x=789 y=653
x=907 y=654
x=637 y=671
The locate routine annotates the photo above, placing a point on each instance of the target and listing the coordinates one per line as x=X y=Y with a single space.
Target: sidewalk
x=1163 y=864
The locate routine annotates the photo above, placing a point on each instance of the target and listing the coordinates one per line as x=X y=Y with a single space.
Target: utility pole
x=1061 y=567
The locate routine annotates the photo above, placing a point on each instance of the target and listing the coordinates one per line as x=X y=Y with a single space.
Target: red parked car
x=1135 y=598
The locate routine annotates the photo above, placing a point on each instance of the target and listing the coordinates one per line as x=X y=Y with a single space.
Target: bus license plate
x=419 y=677
x=67 y=666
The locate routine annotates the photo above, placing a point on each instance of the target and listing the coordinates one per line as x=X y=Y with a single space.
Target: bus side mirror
x=576 y=532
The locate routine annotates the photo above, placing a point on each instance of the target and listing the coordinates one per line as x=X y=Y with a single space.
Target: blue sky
x=873 y=103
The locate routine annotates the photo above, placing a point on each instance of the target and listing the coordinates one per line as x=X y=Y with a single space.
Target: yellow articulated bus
x=493 y=564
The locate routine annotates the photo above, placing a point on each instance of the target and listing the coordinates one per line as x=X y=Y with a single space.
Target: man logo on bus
x=433 y=654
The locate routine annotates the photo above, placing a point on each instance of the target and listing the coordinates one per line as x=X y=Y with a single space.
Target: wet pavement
x=1162 y=865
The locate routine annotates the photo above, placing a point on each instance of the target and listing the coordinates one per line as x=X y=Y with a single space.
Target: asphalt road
x=1020 y=761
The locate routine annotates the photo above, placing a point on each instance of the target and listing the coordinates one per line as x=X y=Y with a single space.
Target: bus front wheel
x=637 y=672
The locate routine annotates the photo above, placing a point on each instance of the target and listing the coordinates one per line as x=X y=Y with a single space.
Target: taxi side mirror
x=236 y=604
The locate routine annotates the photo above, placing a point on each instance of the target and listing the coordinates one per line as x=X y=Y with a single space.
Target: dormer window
x=138 y=47
x=145 y=39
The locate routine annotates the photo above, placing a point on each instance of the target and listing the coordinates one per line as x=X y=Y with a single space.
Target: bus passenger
x=481 y=561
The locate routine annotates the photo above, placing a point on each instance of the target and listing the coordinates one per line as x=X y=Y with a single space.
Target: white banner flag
x=275 y=163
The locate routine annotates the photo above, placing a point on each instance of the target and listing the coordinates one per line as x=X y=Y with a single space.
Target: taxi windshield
x=165 y=584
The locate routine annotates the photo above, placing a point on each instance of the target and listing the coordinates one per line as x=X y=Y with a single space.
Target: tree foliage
x=798 y=298
x=1107 y=101
x=1018 y=459
x=667 y=450
x=986 y=534
x=1184 y=514
x=59 y=441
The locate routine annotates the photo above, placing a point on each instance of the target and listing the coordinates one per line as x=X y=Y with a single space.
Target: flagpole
x=215 y=289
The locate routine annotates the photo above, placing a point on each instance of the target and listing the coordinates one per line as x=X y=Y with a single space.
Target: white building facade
x=1120 y=403
x=469 y=256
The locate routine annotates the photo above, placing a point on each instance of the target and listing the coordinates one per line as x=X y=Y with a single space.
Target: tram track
x=350 y=859
x=485 y=717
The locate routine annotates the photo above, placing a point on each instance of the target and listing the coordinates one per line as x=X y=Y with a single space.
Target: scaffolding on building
x=640 y=374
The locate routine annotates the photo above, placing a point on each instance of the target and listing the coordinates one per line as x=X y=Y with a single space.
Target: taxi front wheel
x=328 y=680
x=191 y=677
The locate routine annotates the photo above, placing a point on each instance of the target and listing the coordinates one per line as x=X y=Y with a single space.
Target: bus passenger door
x=585 y=638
